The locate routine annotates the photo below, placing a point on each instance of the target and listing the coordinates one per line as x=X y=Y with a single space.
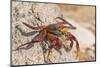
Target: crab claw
x=72 y=38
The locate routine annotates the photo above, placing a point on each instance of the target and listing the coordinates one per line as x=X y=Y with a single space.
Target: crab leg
x=39 y=38
x=26 y=34
x=35 y=28
x=65 y=22
x=54 y=39
x=50 y=50
x=27 y=47
x=56 y=44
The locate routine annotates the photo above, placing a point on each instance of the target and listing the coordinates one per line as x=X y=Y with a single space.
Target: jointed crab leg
x=27 y=47
x=40 y=38
x=56 y=43
x=26 y=34
x=32 y=27
x=54 y=39
x=65 y=22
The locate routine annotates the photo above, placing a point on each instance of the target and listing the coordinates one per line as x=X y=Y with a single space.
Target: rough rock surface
x=29 y=12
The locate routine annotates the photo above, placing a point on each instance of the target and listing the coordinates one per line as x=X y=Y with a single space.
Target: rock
x=41 y=14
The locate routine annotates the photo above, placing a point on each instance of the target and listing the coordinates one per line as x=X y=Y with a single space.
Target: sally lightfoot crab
x=50 y=33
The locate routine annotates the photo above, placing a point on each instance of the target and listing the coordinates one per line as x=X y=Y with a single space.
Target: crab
x=51 y=33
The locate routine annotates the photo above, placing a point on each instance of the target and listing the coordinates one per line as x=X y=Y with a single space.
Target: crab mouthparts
x=64 y=30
